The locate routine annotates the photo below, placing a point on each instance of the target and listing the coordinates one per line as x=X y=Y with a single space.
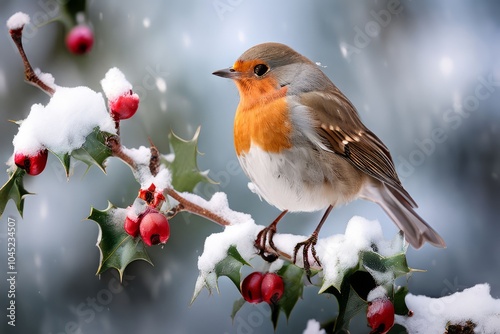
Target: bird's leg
x=266 y=234
x=309 y=244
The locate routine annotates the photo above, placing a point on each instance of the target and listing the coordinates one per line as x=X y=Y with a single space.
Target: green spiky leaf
x=293 y=278
x=349 y=299
x=94 y=151
x=230 y=267
x=14 y=190
x=117 y=248
x=185 y=172
x=354 y=305
x=399 y=301
x=238 y=304
x=385 y=269
x=65 y=160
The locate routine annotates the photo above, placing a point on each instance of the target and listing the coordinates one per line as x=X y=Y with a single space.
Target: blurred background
x=424 y=75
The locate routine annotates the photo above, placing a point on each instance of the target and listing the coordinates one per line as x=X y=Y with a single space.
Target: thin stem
x=196 y=209
x=116 y=148
x=29 y=74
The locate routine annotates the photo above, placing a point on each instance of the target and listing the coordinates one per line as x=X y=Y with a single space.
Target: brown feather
x=339 y=126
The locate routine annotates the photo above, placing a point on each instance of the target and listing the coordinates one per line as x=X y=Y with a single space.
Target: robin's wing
x=342 y=132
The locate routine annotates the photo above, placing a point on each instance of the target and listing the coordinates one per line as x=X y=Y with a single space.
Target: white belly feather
x=296 y=180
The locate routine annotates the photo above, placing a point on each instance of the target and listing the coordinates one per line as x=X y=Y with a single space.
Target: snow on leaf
x=385 y=269
x=117 y=248
x=94 y=151
x=63 y=124
x=475 y=305
x=237 y=242
x=362 y=246
x=230 y=266
x=14 y=190
x=185 y=172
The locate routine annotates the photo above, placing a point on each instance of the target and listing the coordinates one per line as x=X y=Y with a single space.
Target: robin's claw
x=306 y=246
x=261 y=242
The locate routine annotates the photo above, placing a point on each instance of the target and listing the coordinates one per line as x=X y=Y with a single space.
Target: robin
x=302 y=144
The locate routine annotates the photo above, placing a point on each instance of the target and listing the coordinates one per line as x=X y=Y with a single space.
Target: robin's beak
x=229 y=73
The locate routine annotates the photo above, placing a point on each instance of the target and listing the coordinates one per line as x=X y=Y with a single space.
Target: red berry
x=124 y=106
x=154 y=229
x=380 y=315
x=272 y=288
x=132 y=225
x=80 y=39
x=34 y=164
x=250 y=288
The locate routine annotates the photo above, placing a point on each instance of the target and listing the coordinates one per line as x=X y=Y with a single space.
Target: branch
x=116 y=148
x=189 y=206
x=196 y=209
x=184 y=204
x=29 y=74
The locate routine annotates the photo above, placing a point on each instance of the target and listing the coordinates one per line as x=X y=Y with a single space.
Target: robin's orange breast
x=262 y=117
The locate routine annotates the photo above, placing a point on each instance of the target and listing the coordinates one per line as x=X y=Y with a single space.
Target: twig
x=186 y=205
x=196 y=209
x=116 y=148
x=29 y=75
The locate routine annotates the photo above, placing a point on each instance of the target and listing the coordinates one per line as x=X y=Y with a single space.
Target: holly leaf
x=293 y=278
x=399 y=301
x=384 y=269
x=117 y=248
x=230 y=267
x=354 y=305
x=351 y=298
x=65 y=160
x=184 y=168
x=14 y=190
x=362 y=283
x=238 y=304
x=94 y=151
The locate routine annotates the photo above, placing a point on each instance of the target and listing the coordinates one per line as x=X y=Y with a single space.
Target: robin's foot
x=306 y=245
x=264 y=237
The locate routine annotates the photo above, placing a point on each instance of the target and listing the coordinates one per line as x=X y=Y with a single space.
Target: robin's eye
x=260 y=69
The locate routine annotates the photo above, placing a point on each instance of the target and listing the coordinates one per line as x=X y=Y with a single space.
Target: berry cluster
x=259 y=287
x=152 y=226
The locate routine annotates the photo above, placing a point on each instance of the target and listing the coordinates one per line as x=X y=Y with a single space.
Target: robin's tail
x=416 y=230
